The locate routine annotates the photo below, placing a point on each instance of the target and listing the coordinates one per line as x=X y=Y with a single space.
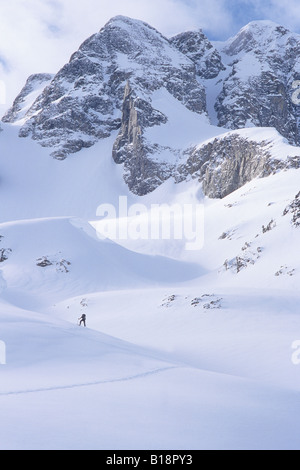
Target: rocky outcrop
x=4 y=254
x=294 y=209
x=131 y=148
x=61 y=265
x=137 y=114
x=196 y=46
x=226 y=164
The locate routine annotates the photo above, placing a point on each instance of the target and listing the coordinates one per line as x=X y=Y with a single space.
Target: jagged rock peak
x=196 y=46
x=134 y=38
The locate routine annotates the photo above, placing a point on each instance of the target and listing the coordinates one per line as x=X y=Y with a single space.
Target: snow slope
x=238 y=318
x=44 y=187
x=211 y=356
x=56 y=258
x=174 y=340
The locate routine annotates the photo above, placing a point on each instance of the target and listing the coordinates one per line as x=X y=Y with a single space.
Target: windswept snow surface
x=183 y=349
x=198 y=359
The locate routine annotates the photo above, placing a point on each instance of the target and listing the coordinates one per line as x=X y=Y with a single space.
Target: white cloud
x=286 y=13
x=40 y=35
x=26 y=44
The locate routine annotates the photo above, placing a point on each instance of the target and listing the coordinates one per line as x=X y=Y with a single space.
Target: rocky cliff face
x=141 y=173
x=263 y=61
x=196 y=46
x=228 y=163
x=84 y=101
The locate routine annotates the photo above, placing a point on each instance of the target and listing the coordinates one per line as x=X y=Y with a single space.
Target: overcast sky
x=40 y=35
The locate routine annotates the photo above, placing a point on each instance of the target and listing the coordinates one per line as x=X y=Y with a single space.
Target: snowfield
x=178 y=354
x=184 y=349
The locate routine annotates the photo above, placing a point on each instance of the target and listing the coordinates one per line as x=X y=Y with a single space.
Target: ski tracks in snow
x=90 y=384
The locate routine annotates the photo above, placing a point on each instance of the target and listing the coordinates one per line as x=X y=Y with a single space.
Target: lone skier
x=82 y=319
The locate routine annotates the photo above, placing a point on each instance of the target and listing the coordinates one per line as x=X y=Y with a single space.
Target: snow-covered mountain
x=118 y=69
x=177 y=339
x=263 y=62
x=154 y=92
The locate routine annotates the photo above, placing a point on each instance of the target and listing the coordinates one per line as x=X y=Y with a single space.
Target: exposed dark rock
x=196 y=46
x=226 y=164
x=4 y=254
x=285 y=271
x=269 y=227
x=141 y=172
x=60 y=264
x=44 y=262
x=137 y=114
x=294 y=209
